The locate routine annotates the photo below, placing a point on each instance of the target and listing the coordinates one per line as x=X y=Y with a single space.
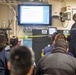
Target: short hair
x=21 y=59
x=74 y=16
x=53 y=36
x=13 y=41
x=2 y=41
x=61 y=43
x=60 y=36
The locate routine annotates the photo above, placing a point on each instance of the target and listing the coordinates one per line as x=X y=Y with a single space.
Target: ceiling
x=20 y=1
x=13 y=1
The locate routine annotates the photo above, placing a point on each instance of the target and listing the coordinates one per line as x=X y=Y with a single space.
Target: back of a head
x=13 y=41
x=53 y=36
x=2 y=41
x=21 y=59
x=60 y=36
x=61 y=43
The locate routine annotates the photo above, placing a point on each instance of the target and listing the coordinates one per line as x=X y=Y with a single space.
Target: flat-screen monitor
x=65 y=32
x=34 y=14
x=51 y=30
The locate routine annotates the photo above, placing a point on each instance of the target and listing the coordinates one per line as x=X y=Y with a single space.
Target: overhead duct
x=59 y=0
x=21 y=1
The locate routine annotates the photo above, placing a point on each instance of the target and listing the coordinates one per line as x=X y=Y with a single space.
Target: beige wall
x=56 y=8
x=7 y=14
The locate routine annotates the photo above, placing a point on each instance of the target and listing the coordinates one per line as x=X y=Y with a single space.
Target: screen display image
x=34 y=14
x=65 y=32
x=51 y=30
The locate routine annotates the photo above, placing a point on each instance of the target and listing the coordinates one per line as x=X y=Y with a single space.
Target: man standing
x=58 y=62
x=73 y=28
x=72 y=42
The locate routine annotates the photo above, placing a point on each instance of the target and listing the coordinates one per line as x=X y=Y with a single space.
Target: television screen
x=51 y=30
x=34 y=14
x=65 y=32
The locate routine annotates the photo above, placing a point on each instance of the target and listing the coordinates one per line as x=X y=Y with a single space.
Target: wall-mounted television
x=34 y=14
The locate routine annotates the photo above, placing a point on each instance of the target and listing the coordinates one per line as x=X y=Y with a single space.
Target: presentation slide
x=34 y=14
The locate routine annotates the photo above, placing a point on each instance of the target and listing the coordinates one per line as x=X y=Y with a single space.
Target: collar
x=59 y=50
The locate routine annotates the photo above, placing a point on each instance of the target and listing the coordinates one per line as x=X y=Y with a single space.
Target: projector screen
x=34 y=14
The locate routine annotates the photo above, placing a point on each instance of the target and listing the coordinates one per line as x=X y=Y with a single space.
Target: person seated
x=21 y=61
x=62 y=36
x=3 y=56
x=58 y=62
x=56 y=36
x=48 y=49
x=13 y=41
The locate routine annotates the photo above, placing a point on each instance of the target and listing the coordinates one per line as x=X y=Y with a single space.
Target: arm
x=45 y=50
x=71 y=49
x=74 y=63
x=71 y=28
x=38 y=70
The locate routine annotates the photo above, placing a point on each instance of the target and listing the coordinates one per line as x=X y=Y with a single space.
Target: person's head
x=13 y=41
x=74 y=17
x=60 y=36
x=53 y=36
x=2 y=41
x=21 y=61
x=61 y=43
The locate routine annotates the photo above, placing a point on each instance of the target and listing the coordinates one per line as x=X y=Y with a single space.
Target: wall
x=56 y=8
x=7 y=14
x=7 y=17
